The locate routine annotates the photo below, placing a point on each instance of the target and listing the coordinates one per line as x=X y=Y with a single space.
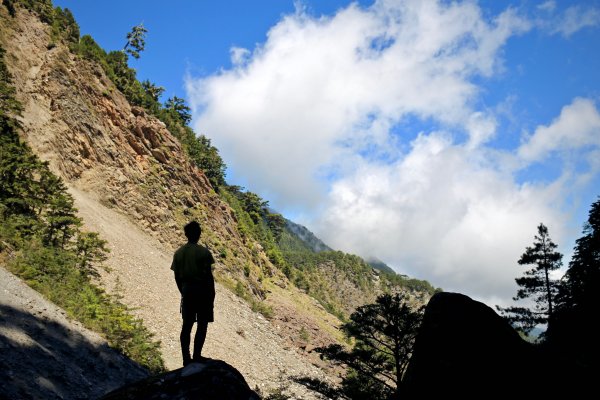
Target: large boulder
x=465 y=349
x=210 y=379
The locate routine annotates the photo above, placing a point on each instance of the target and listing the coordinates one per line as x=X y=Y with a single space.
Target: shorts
x=197 y=303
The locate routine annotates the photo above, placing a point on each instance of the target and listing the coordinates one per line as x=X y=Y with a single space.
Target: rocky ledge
x=209 y=379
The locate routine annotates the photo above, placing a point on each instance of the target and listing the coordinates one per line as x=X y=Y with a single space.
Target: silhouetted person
x=192 y=264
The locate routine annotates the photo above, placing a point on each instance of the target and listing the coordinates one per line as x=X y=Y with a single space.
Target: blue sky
x=435 y=136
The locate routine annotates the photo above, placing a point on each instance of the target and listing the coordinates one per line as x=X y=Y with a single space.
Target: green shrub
x=263 y=308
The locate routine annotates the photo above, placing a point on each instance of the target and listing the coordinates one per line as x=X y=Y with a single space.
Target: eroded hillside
x=75 y=118
x=134 y=184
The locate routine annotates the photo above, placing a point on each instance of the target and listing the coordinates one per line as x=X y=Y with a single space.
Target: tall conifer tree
x=582 y=280
x=573 y=331
x=536 y=283
x=136 y=41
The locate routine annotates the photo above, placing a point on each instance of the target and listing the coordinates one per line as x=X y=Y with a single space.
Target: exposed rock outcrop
x=211 y=379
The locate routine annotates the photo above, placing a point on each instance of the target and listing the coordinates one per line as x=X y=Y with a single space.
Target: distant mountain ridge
x=314 y=244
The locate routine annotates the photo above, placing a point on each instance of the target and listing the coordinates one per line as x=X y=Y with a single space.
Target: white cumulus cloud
x=577 y=126
x=444 y=213
x=315 y=119
x=322 y=87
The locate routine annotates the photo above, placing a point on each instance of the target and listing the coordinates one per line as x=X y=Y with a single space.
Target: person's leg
x=199 y=339
x=184 y=338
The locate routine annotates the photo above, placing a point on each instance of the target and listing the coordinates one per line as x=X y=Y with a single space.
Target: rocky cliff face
x=75 y=118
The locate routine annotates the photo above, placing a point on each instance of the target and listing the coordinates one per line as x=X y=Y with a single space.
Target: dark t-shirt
x=192 y=264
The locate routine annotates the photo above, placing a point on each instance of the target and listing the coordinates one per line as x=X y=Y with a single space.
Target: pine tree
x=572 y=332
x=91 y=251
x=581 y=286
x=208 y=159
x=136 y=41
x=536 y=283
x=152 y=90
x=384 y=333
x=61 y=219
x=178 y=109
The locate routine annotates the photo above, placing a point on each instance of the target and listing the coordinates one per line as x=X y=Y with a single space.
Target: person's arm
x=174 y=269
x=211 y=259
x=178 y=282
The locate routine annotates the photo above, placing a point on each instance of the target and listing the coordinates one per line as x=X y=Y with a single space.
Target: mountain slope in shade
x=380 y=266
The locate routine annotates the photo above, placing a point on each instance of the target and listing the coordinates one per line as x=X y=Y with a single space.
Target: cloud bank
x=368 y=122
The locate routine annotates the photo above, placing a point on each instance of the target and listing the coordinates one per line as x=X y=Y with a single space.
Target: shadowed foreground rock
x=212 y=379
x=465 y=349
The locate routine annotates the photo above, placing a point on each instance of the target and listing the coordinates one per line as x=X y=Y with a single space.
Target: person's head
x=192 y=231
